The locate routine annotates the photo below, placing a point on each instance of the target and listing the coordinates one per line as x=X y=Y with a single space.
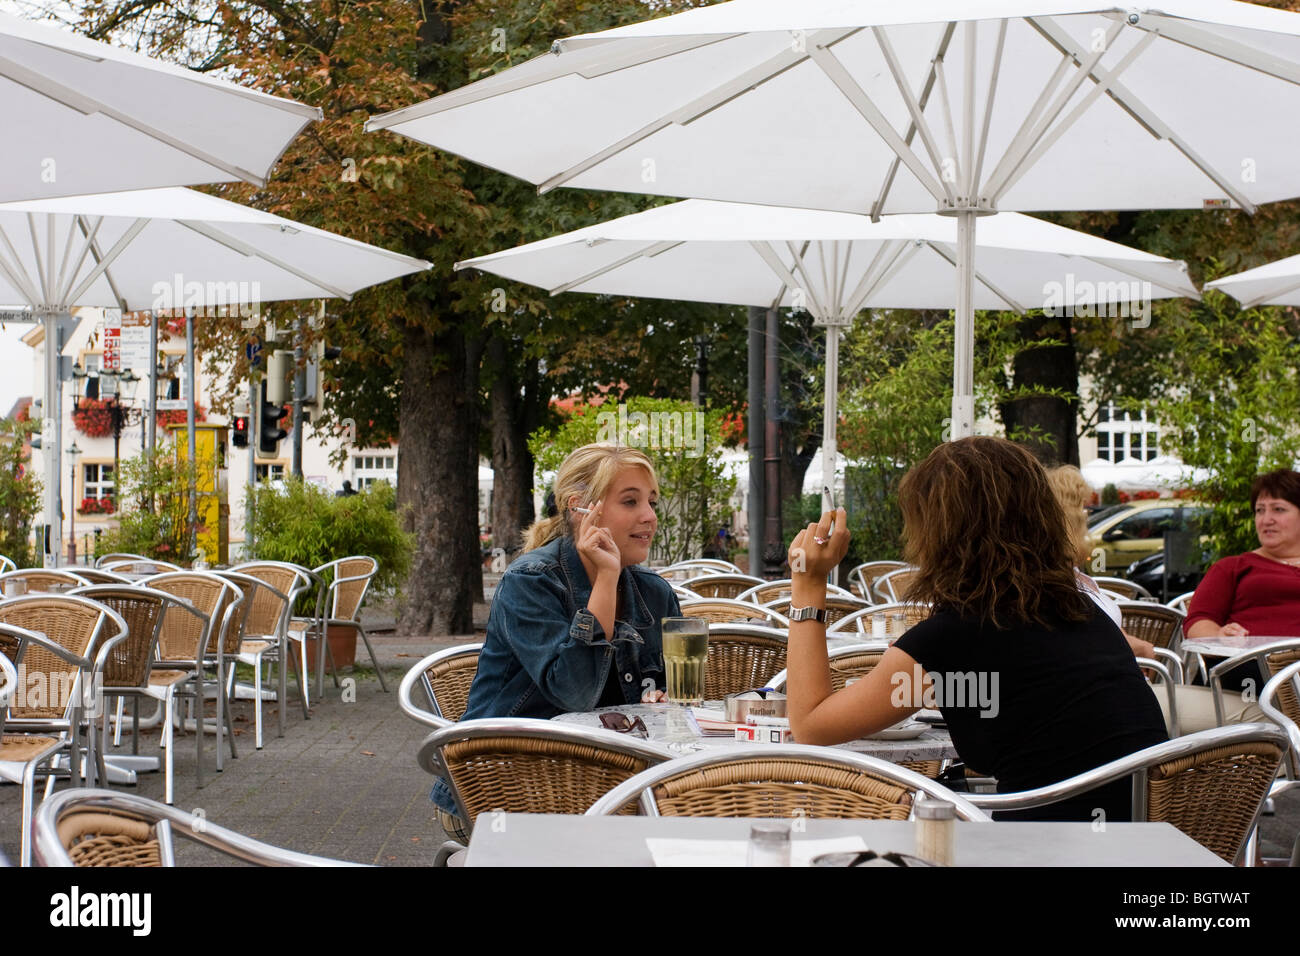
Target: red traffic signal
x=240 y=436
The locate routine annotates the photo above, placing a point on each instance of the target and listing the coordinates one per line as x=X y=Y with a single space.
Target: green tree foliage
x=694 y=488
x=153 y=516
x=1231 y=406
x=306 y=524
x=896 y=406
x=20 y=492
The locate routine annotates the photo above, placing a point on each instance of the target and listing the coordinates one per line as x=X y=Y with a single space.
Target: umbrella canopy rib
x=230 y=242
x=103 y=262
x=649 y=252
x=949 y=255
x=1220 y=46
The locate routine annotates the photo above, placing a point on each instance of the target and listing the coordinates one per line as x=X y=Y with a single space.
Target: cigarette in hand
x=581 y=511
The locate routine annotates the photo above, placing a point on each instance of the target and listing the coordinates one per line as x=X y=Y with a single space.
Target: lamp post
x=73 y=454
x=117 y=390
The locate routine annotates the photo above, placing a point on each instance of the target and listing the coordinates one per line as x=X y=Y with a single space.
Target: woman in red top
x=1257 y=592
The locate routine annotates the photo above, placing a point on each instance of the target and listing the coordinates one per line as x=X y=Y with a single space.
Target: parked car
x=1150 y=573
x=1128 y=533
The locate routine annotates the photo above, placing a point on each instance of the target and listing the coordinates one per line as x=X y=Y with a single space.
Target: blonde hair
x=586 y=474
x=1073 y=493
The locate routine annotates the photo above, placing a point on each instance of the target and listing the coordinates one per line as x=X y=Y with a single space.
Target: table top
x=667 y=725
x=1228 y=646
x=523 y=839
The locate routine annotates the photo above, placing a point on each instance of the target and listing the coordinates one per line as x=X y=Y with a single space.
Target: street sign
x=112 y=360
x=253 y=352
x=134 y=342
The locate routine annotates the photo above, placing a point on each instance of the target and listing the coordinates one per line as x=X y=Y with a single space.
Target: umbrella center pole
x=962 y=422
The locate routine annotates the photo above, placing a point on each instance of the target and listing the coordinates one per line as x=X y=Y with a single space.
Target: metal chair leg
x=374 y=659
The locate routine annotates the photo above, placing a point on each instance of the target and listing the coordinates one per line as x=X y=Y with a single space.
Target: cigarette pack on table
x=765 y=730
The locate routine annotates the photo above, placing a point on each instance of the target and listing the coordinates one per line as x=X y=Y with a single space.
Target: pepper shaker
x=935 y=823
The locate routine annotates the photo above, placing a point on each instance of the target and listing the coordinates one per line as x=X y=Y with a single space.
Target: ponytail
x=543 y=531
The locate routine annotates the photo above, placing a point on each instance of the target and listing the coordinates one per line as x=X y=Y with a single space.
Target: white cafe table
x=932 y=744
x=1226 y=646
x=525 y=839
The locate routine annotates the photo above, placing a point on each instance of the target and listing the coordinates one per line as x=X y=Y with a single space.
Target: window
x=1122 y=435
x=1148 y=524
x=367 y=469
x=273 y=472
x=97 y=481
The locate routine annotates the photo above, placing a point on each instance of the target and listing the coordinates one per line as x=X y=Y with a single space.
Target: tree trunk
x=439 y=506
x=512 y=464
x=473 y=363
x=1045 y=424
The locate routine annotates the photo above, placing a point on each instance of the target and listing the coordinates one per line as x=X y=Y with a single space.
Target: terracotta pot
x=343 y=645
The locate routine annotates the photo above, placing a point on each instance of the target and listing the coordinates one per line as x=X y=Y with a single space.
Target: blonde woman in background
x=1074 y=493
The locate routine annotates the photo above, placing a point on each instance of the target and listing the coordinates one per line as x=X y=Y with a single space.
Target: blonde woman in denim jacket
x=574 y=623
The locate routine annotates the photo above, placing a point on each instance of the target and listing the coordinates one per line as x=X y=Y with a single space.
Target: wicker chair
x=785 y=780
x=685 y=570
x=742 y=657
x=338 y=604
x=191 y=636
x=291 y=581
x=853 y=663
x=1155 y=623
x=532 y=766
x=891 y=587
x=444 y=678
x=770 y=591
x=1181 y=602
x=725 y=611
x=1278 y=701
x=117 y=557
x=100 y=576
x=43 y=580
x=21 y=755
x=7 y=564
x=860 y=621
x=863 y=578
x=98 y=828
x=720 y=585
x=1211 y=785
x=38 y=729
x=837 y=608
x=146 y=566
x=1126 y=589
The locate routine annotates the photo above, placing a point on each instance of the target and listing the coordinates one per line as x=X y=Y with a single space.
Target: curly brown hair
x=990 y=539
x=1282 y=483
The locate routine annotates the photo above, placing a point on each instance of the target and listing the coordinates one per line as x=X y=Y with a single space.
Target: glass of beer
x=686 y=649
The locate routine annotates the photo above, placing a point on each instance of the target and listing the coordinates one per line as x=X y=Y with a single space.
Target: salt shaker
x=769 y=844
x=935 y=820
x=879 y=627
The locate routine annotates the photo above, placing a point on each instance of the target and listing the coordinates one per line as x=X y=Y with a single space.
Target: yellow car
x=1118 y=535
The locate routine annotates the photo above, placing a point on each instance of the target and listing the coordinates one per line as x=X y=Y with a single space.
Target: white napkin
x=736 y=852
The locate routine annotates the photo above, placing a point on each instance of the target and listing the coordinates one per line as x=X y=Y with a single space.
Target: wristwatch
x=808 y=614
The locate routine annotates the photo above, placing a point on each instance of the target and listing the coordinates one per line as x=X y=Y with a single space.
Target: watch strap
x=808 y=614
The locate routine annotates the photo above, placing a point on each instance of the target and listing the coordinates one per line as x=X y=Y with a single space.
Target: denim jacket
x=546 y=654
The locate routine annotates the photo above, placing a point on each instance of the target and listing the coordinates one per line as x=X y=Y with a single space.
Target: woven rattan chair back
x=1286 y=700
x=185 y=637
x=128 y=663
x=100 y=576
x=117 y=557
x=721 y=585
x=140 y=566
x=43 y=580
x=862 y=621
x=239 y=626
x=1128 y=590
x=72 y=623
x=741 y=659
x=1214 y=795
x=352 y=577
x=1155 y=623
x=7 y=564
x=110 y=838
x=854 y=665
x=863 y=578
x=767 y=592
x=266 y=607
x=533 y=766
x=891 y=587
x=448 y=682
x=723 y=610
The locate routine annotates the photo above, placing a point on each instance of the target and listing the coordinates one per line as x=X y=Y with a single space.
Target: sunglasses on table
x=621 y=724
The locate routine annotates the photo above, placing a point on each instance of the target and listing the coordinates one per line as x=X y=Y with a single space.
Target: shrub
x=154 y=508
x=20 y=492
x=308 y=525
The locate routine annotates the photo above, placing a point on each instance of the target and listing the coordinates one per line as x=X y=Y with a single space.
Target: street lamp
x=117 y=391
x=73 y=454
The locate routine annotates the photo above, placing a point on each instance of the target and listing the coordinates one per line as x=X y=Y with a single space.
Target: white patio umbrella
x=86 y=117
x=1275 y=283
x=170 y=248
x=965 y=107
x=835 y=265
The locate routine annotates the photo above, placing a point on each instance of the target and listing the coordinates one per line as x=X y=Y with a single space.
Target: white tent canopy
x=86 y=117
x=836 y=264
x=1132 y=474
x=1275 y=283
x=965 y=108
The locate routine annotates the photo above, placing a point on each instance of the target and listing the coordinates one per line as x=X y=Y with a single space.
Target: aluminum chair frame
x=1136 y=766
x=7 y=564
x=67 y=579
x=741 y=582
x=1181 y=602
x=1170 y=668
x=857 y=576
x=754 y=594
x=23 y=772
x=418 y=675
x=430 y=761
x=167 y=821
x=1266 y=703
x=305 y=580
x=779 y=681
x=115 y=557
x=91 y=664
x=1155 y=610
x=641 y=787
x=884 y=588
x=1258 y=655
x=152 y=566
x=327 y=603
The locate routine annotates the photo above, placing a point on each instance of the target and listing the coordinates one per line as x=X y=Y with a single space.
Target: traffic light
x=270 y=433
x=240 y=434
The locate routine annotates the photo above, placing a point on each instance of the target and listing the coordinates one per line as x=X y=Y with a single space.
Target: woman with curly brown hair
x=1035 y=682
